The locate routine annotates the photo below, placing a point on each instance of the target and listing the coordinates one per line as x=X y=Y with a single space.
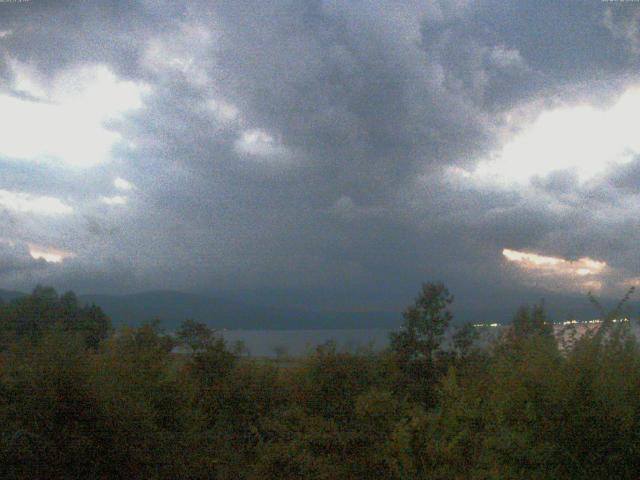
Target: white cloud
x=258 y=143
x=223 y=111
x=5 y=33
x=48 y=254
x=27 y=203
x=504 y=57
x=68 y=124
x=114 y=200
x=555 y=265
x=581 y=274
x=26 y=78
x=122 y=184
x=582 y=139
x=185 y=52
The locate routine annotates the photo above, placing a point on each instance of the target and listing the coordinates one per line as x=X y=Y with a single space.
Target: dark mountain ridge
x=172 y=307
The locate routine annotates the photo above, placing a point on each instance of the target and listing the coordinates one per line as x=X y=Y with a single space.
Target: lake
x=262 y=343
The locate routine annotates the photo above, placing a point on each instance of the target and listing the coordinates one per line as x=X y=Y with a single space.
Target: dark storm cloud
x=58 y=34
x=357 y=109
x=350 y=87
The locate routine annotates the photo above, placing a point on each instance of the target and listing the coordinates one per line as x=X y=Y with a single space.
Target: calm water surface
x=263 y=343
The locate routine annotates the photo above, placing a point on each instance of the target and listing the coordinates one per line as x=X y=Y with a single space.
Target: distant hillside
x=558 y=307
x=8 y=295
x=173 y=307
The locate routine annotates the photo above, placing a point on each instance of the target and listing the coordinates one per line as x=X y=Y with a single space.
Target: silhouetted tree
x=33 y=315
x=530 y=321
x=194 y=335
x=420 y=338
x=425 y=323
x=464 y=338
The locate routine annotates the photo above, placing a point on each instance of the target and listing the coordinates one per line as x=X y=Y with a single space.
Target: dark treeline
x=79 y=400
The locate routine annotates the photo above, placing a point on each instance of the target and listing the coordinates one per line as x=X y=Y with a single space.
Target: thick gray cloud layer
x=307 y=147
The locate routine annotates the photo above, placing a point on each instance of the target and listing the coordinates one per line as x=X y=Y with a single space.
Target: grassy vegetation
x=125 y=406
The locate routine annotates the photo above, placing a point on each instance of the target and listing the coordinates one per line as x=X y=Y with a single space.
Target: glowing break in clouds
x=64 y=120
x=584 y=139
x=27 y=203
x=258 y=143
x=583 y=272
x=223 y=111
x=114 y=200
x=48 y=254
x=582 y=266
x=122 y=184
x=186 y=51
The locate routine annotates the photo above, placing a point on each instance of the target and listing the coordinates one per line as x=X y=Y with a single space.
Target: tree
x=194 y=335
x=96 y=326
x=607 y=318
x=151 y=335
x=37 y=312
x=43 y=310
x=417 y=343
x=464 y=338
x=425 y=323
x=531 y=321
x=211 y=364
x=281 y=353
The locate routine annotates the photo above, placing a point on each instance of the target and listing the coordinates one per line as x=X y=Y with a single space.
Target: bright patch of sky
x=48 y=254
x=533 y=261
x=122 y=184
x=258 y=143
x=583 y=272
x=583 y=139
x=27 y=203
x=185 y=52
x=114 y=200
x=66 y=121
x=223 y=111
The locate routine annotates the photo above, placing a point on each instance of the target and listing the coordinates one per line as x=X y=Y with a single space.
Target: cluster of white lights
x=566 y=322
x=584 y=322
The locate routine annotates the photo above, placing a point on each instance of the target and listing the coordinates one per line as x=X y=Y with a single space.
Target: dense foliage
x=80 y=401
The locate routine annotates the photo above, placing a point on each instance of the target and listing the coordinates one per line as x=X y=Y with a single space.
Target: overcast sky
x=335 y=153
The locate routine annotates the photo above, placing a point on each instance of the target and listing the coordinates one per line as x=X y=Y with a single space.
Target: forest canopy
x=81 y=400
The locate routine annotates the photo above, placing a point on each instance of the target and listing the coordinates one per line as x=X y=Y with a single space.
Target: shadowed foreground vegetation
x=78 y=400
